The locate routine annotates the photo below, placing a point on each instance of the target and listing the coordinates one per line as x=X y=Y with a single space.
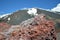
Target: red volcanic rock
x=2 y=37
x=4 y=27
x=37 y=28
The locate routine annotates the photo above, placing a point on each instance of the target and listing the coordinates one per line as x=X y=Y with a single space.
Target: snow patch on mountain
x=32 y=11
x=5 y=15
x=8 y=18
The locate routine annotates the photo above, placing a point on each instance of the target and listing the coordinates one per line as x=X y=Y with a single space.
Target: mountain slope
x=22 y=15
x=17 y=17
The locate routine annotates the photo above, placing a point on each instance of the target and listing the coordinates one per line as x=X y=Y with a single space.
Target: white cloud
x=57 y=8
x=32 y=11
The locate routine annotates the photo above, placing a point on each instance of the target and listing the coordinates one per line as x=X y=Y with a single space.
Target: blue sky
x=8 y=6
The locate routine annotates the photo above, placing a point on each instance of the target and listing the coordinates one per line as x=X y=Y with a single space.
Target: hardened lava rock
x=2 y=37
x=37 y=28
x=4 y=26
